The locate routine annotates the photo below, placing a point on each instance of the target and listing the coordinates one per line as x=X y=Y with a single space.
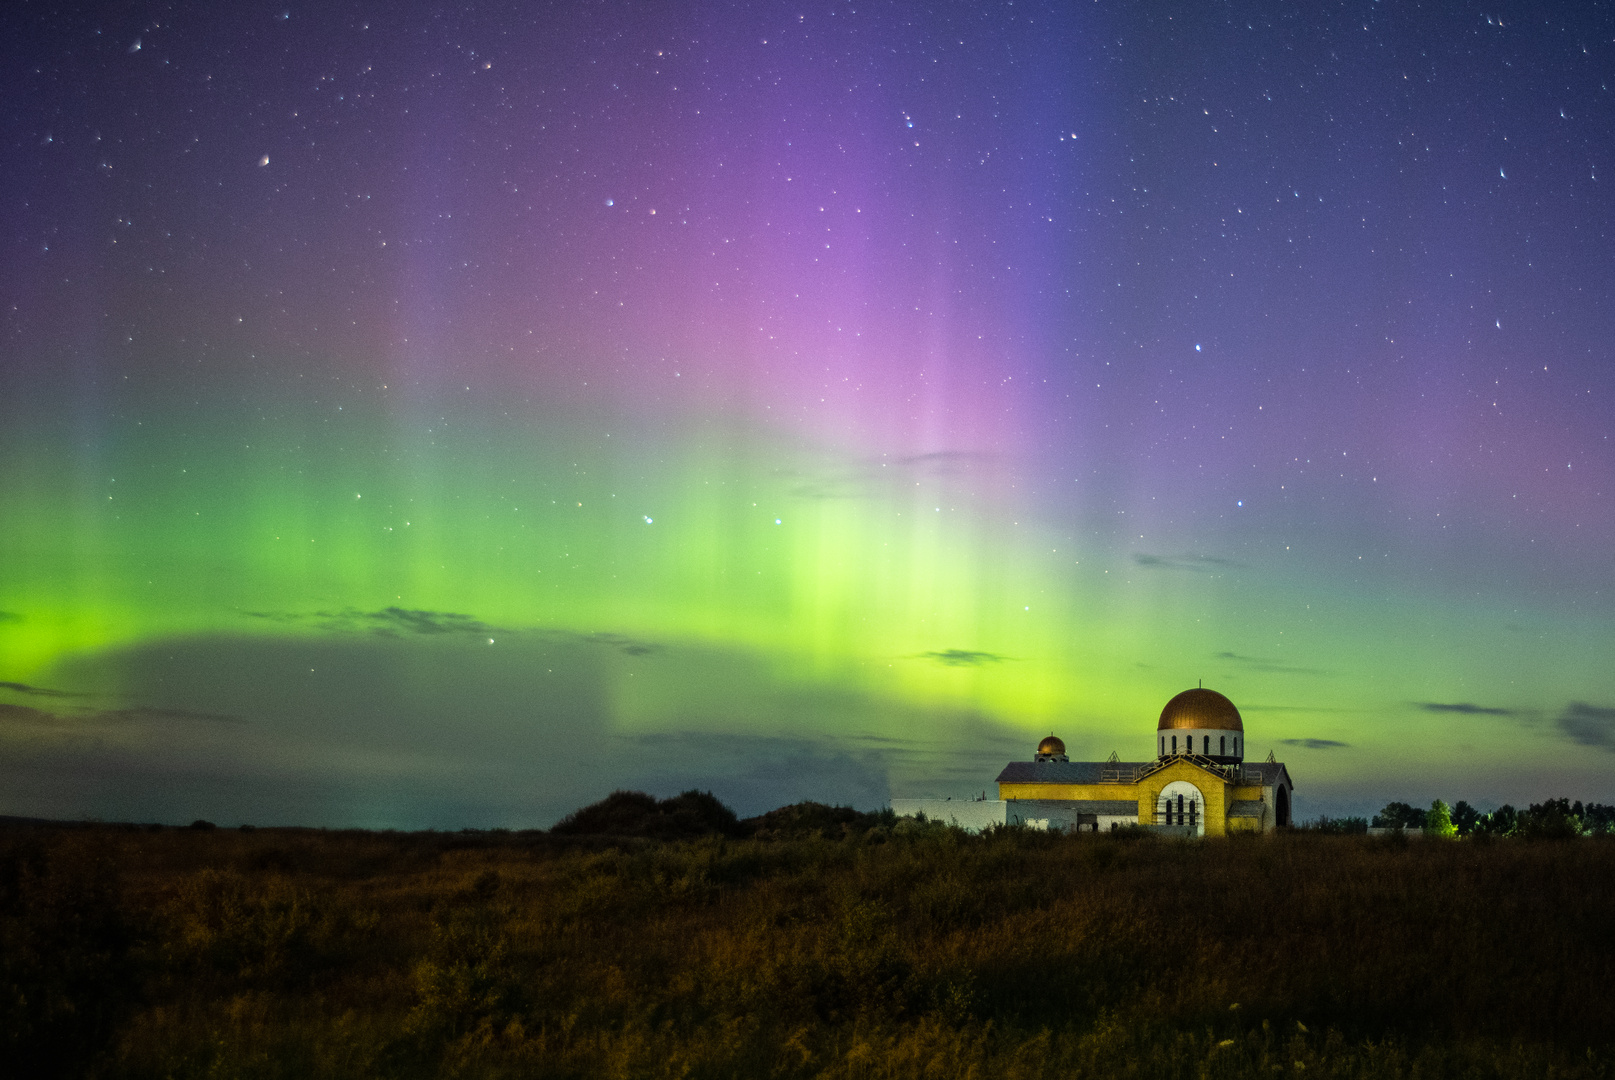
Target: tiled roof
x=1060 y=772
x=1264 y=772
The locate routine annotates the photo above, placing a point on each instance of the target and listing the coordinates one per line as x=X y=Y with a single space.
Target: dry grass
x=914 y=952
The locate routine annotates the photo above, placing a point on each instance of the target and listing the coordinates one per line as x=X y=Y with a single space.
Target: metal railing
x=1132 y=774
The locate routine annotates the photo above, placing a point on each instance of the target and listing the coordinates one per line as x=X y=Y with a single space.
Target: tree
x=1399 y=815
x=1551 y=820
x=1598 y=818
x=1500 y=822
x=1438 y=822
x=1465 y=817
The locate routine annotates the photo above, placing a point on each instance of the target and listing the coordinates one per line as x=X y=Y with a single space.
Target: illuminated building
x=1198 y=784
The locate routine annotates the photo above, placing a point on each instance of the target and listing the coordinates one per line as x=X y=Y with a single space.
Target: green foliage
x=1465 y=817
x=465 y=984
x=1551 y=820
x=837 y=948
x=1342 y=826
x=1438 y=821
x=1500 y=822
x=1597 y=819
x=224 y=922
x=1399 y=815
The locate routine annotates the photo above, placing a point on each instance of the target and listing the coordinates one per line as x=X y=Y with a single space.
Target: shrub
x=636 y=814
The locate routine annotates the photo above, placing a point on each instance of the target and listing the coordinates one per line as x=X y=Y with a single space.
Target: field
x=857 y=948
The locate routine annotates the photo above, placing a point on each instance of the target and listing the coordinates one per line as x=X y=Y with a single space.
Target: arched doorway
x=1281 y=806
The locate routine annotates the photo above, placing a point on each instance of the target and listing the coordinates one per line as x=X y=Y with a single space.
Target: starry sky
x=415 y=415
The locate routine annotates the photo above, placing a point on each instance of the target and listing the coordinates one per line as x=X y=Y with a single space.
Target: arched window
x=1206 y=748
x=1174 y=744
x=1222 y=745
x=1163 y=744
x=1180 y=803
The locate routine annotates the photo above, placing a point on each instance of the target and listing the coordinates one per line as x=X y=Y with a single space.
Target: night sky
x=430 y=417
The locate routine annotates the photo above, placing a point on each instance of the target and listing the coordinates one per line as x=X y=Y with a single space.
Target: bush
x=638 y=815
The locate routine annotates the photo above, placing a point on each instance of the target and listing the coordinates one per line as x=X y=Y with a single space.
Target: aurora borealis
x=427 y=416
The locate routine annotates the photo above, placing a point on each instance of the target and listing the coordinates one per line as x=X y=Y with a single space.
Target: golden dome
x=1051 y=745
x=1200 y=708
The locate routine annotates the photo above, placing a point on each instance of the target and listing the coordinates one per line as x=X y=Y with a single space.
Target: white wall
x=1199 y=738
x=965 y=813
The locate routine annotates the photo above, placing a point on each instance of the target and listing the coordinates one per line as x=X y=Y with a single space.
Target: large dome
x=1200 y=709
x=1051 y=745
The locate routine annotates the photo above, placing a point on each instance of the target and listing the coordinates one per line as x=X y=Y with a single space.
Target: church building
x=1198 y=784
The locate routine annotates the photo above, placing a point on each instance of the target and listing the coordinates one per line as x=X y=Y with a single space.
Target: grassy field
x=858 y=949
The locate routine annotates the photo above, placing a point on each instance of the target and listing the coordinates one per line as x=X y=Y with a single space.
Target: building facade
x=1198 y=784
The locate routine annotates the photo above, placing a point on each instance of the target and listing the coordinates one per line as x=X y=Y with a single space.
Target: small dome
x=1200 y=708
x=1051 y=745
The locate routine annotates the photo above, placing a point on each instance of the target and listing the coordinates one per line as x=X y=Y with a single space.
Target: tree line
x=1551 y=819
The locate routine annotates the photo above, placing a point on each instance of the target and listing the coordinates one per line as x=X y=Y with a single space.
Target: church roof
x=1268 y=771
x=1264 y=773
x=1062 y=772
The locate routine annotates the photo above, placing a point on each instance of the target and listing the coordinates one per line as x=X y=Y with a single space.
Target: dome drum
x=1225 y=746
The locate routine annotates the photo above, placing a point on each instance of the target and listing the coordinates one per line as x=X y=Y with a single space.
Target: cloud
x=39 y=691
x=398 y=622
x=1589 y=725
x=1200 y=564
x=1315 y=744
x=1464 y=707
x=1257 y=663
x=440 y=730
x=149 y=712
x=963 y=657
x=88 y=717
x=23 y=714
x=428 y=622
x=631 y=646
x=388 y=622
